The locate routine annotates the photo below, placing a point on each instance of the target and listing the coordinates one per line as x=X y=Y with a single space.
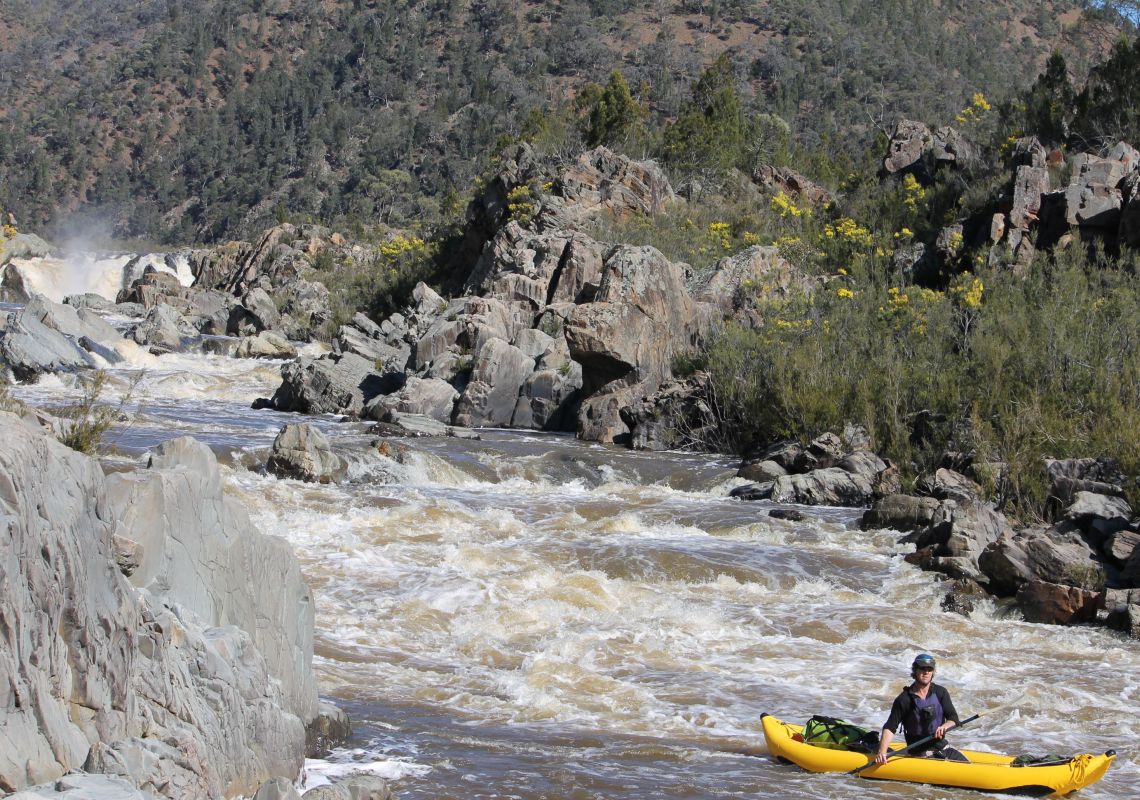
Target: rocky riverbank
x=151 y=635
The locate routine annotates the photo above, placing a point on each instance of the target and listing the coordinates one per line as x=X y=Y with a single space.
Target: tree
x=710 y=136
x=1108 y=109
x=614 y=116
x=1051 y=102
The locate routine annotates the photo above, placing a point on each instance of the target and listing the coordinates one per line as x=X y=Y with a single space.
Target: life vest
x=923 y=717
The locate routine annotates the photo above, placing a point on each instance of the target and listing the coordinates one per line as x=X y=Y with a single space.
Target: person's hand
x=940 y=731
x=880 y=758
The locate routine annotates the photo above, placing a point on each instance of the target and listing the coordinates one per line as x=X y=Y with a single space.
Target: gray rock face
x=85 y=787
x=334 y=384
x=830 y=487
x=640 y=319
x=161 y=330
x=430 y=397
x=901 y=512
x=303 y=452
x=496 y=379
x=679 y=416
x=191 y=680
x=31 y=348
x=957 y=537
x=910 y=140
x=1040 y=554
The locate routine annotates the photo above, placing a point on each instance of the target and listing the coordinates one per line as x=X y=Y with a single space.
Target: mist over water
x=531 y=616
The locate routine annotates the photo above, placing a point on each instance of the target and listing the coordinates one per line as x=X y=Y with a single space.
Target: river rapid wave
x=530 y=616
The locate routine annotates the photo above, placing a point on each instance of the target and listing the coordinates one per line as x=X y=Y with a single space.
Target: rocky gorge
x=153 y=636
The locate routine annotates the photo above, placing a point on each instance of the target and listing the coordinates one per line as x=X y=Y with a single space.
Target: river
x=530 y=616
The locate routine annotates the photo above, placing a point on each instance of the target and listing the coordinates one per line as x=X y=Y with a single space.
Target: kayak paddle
x=928 y=739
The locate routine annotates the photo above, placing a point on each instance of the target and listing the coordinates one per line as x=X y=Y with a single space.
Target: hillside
x=195 y=120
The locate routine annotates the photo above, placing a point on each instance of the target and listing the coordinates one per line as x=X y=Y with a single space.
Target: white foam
x=321 y=772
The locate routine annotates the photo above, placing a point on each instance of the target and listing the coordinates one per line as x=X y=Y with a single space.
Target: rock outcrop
x=150 y=633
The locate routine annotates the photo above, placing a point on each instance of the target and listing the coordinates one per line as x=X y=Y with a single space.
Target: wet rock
x=1057 y=604
x=549 y=399
x=266 y=344
x=831 y=487
x=957 y=538
x=1050 y=555
x=790 y=514
x=277 y=789
x=330 y=729
x=498 y=374
x=303 y=452
x=963 y=597
x=161 y=330
x=761 y=471
x=355 y=787
x=430 y=397
x=31 y=349
x=154 y=288
x=80 y=786
x=192 y=677
x=901 y=512
x=340 y=383
x=752 y=491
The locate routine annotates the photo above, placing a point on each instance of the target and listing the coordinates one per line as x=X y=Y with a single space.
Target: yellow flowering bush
x=520 y=204
x=850 y=231
x=786 y=207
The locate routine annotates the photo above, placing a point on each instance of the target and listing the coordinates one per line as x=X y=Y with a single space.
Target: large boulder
x=31 y=349
x=303 y=452
x=161 y=331
x=1052 y=555
x=339 y=383
x=537 y=268
x=601 y=181
x=679 y=416
x=829 y=487
x=956 y=538
x=909 y=142
x=267 y=344
x=642 y=317
x=901 y=512
x=498 y=374
x=1057 y=604
x=429 y=397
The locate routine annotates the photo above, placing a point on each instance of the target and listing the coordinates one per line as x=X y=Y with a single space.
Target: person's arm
x=884 y=743
x=889 y=728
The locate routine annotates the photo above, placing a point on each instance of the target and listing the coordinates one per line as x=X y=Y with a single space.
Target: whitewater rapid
x=531 y=616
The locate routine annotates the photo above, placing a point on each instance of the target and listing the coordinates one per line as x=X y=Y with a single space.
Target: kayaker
x=923 y=709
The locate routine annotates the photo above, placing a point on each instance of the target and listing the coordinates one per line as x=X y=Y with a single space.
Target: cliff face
x=189 y=678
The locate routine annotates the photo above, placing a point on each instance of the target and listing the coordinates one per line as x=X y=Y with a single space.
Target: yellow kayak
x=986 y=771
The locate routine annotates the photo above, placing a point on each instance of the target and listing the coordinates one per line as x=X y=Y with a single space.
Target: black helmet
x=923 y=660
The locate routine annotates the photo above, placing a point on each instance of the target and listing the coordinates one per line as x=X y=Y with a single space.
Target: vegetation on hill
x=197 y=120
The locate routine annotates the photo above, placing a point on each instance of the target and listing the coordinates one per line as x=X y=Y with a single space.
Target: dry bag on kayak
x=838 y=734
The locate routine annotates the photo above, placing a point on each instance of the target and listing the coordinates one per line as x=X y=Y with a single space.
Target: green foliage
x=709 y=138
x=611 y=116
x=380 y=281
x=86 y=422
x=1051 y=103
x=1108 y=109
x=1013 y=370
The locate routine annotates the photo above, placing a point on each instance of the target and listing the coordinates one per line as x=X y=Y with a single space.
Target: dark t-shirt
x=903 y=707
